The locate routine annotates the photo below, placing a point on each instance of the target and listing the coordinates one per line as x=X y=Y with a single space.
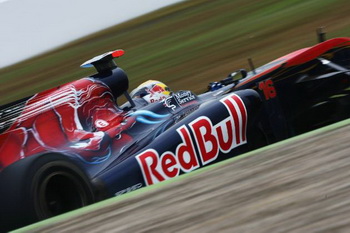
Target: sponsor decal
x=128 y=189
x=183 y=97
x=101 y=123
x=186 y=113
x=179 y=99
x=154 y=98
x=170 y=103
x=209 y=141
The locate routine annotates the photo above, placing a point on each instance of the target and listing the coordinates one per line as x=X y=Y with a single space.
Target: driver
x=150 y=91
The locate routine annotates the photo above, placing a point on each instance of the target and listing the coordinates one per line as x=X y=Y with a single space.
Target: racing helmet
x=151 y=91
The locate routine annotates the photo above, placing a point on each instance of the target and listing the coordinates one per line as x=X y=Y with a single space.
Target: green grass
x=188 y=44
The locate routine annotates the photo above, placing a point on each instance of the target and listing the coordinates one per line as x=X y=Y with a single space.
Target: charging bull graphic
x=79 y=118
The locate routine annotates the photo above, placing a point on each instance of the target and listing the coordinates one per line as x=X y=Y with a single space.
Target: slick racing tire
x=40 y=187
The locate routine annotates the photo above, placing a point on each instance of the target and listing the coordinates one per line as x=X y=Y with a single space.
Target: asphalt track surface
x=302 y=185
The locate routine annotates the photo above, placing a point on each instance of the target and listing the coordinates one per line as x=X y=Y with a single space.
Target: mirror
x=238 y=75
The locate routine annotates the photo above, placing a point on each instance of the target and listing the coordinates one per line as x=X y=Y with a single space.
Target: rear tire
x=41 y=187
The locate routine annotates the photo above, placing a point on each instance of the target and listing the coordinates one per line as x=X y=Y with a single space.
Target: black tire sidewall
x=20 y=182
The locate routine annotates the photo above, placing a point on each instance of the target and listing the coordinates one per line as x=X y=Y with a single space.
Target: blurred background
x=185 y=45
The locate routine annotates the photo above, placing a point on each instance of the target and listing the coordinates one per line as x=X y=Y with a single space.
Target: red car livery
x=78 y=118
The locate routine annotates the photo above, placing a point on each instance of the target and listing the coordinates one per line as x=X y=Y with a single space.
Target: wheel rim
x=60 y=192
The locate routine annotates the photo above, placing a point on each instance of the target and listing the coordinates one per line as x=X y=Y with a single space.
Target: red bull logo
x=209 y=141
x=156 y=89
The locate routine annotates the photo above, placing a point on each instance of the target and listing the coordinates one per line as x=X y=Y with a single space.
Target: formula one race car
x=73 y=145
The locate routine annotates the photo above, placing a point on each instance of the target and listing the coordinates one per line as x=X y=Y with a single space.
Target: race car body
x=73 y=145
x=306 y=89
